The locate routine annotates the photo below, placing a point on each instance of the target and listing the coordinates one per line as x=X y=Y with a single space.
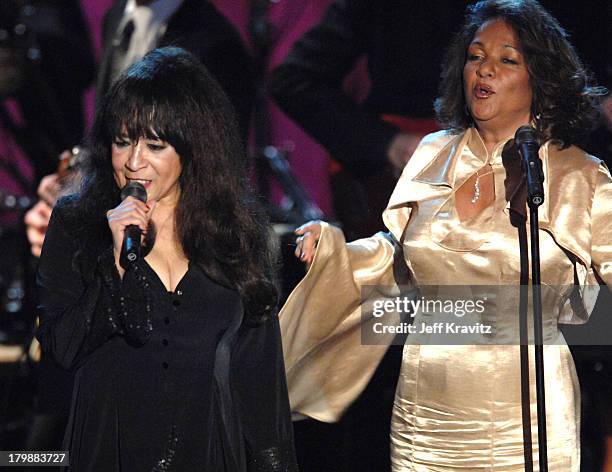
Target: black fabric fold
x=184 y=385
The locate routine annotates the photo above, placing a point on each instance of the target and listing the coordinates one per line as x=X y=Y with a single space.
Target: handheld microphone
x=526 y=141
x=130 y=250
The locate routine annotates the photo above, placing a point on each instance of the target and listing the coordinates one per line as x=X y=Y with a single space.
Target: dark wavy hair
x=565 y=102
x=169 y=94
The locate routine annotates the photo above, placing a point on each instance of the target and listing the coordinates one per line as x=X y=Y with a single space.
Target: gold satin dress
x=457 y=407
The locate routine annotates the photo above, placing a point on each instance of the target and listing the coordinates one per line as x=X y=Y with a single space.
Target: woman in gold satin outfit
x=455 y=218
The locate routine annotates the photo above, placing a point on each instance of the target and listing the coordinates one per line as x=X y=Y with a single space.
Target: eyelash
x=120 y=143
x=505 y=60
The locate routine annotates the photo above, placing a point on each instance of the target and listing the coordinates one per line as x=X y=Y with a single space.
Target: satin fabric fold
x=327 y=366
x=576 y=211
x=457 y=407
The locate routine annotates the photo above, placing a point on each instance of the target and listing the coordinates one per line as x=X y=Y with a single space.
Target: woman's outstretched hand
x=306 y=242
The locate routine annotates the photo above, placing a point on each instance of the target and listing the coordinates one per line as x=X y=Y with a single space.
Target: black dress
x=163 y=380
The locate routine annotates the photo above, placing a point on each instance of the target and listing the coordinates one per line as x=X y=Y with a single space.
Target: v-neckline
x=161 y=283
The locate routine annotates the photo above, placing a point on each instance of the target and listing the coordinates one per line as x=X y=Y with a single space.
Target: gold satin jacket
x=577 y=209
x=327 y=365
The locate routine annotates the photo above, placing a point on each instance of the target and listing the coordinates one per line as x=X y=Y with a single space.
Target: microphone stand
x=260 y=35
x=532 y=167
x=305 y=208
x=269 y=159
x=538 y=337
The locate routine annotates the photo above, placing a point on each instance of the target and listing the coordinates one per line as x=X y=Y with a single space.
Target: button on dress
x=154 y=369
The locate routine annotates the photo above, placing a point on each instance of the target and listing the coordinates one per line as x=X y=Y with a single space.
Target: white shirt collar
x=150 y=22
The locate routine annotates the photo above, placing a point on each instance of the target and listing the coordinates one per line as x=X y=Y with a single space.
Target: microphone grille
x=526 y=134
x=136 y=190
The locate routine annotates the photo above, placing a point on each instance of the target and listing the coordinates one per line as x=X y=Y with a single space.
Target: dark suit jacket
x=50 y=100
x=403 y=42
x=199 y=28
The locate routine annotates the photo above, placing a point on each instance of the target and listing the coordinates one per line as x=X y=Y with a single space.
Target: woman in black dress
x=177 y=357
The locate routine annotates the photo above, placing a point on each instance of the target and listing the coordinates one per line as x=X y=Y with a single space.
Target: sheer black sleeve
x=260 y=392
x=83 y=302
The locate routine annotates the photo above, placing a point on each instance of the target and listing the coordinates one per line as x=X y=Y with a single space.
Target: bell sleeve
x=260 y=392
x=325 y=317
x=601 y=226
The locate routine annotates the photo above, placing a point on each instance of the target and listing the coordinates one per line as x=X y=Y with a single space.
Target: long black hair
x=170 y=95
x=565 y=103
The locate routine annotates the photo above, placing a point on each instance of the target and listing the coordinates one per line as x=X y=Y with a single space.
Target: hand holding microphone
x=127 y=222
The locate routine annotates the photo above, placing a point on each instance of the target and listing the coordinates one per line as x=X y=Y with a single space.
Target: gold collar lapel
x=441 y=169
x=435 y=179
x=426 y=177
x=422 y=178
